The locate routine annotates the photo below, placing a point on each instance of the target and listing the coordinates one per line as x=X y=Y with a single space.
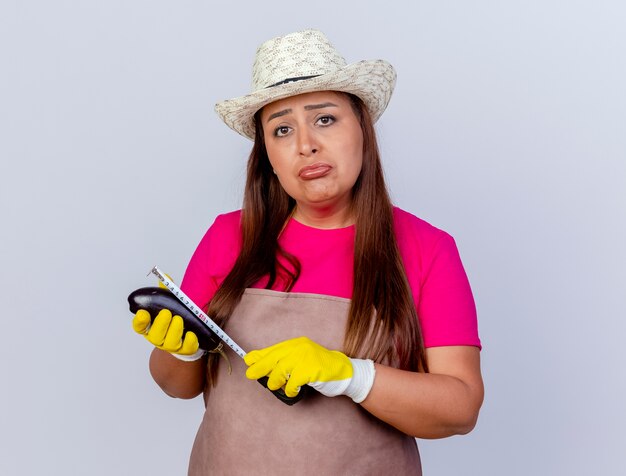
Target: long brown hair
x=382 y=322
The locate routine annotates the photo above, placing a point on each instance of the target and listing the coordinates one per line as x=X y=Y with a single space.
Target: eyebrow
x=278 y=114
x=319 y=106
x=308 y=107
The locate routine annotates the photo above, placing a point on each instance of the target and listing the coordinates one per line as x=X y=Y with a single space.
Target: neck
x=324 y=217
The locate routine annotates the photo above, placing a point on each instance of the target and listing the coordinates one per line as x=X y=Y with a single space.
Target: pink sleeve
x=446 y=305
x=213 y=259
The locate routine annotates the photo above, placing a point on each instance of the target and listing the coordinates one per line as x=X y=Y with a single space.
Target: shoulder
x=404 y=219
x=222 y=240
x=213 y=258
x=422 y=246
x=225 y=230
x=412 y=230
x=227 y=222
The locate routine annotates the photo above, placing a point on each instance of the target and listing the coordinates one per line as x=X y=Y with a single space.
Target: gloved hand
x=301 y=361
x=166 y=333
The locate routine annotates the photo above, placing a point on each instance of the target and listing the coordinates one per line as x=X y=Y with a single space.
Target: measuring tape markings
x=189 y=304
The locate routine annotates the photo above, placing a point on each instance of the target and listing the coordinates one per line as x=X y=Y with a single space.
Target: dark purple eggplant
x=154 y=299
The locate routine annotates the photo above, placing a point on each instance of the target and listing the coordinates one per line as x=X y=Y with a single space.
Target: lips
x=314 y=171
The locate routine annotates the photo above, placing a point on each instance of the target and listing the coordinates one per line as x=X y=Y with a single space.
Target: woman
x=334 y=287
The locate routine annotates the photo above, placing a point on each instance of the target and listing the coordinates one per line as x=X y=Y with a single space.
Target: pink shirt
x=441 y=291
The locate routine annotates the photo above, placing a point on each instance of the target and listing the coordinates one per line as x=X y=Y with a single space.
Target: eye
x=281 y=131
x=325 y=120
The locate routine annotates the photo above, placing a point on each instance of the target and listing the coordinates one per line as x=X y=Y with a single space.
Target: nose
x=307 y=142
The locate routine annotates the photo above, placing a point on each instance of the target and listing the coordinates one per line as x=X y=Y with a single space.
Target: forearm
x=442 y=403
x=177 y=378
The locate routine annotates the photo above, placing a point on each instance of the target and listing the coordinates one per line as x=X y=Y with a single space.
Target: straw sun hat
x=305 y=62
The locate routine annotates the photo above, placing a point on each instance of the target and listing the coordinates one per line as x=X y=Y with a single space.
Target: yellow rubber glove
x=166 y=333
x=300 y=361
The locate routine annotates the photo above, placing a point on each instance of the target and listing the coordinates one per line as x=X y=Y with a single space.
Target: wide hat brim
x=371 y=80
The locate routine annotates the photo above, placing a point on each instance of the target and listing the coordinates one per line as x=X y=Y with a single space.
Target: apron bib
x=246 y=430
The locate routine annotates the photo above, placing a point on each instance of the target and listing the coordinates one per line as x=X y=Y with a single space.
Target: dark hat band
x=293 y=80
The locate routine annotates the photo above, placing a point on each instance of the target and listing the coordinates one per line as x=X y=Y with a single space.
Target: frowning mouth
x=314 y=171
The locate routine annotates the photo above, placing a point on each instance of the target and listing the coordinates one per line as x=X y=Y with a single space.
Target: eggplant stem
x=220 y=350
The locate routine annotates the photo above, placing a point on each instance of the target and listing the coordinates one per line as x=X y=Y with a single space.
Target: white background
x=507 y=129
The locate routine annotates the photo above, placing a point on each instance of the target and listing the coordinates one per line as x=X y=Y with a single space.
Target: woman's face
x=315 y=145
